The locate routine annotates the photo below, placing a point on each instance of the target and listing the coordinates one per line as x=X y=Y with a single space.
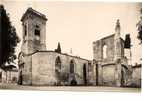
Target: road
x=70 y=88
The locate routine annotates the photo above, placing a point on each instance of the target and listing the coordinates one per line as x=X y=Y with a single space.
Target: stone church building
x=41 y=67
x=38 y=66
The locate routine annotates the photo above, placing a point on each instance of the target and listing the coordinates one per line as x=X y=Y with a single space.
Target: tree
x=8 y=38
x=127 y=43
x=58 y=48
x=139 y=26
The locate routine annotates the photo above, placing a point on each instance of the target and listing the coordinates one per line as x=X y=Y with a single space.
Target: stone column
x=118 y=73
x=94 y=74
x=100 y=74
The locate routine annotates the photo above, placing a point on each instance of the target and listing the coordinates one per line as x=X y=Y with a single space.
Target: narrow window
x=37 y=32
x=71 y=66
x=0 y=76
x=84 y=74
x=25 y=30
x=58 y=70
x=104 y=51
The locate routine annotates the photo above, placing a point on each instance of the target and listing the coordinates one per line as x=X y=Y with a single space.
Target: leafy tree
x=8 y=38
x=127 y=43
x=139 y=26
x=58 y=48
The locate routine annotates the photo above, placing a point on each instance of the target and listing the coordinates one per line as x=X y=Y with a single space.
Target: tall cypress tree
x=58 y=48
x=8 y=38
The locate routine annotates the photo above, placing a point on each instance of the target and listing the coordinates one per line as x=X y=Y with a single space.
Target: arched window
x=104 y=51
x=58 y=67
x=0 y=76
x=71 y=66
x=25 y=30
x=37 y=32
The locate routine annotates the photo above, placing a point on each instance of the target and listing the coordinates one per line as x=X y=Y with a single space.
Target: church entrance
x=20 y=81
x=122 y=77
x=97 y=74
x=84 y=74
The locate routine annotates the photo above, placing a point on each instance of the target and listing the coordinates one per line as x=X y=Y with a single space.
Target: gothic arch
x=73 y=81
x=72 y=67
x=105 y=51
x=58 y=69
x=85 y=74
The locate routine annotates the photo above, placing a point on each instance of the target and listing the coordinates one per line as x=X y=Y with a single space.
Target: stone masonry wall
x=136 y=77
x=43 y=67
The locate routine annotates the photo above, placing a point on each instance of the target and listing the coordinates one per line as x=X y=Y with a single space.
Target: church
x=38 y=66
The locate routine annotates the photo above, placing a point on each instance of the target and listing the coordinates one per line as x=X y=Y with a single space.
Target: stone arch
x=105 y=51
x=58 y=69
x=73 y=81
x=72 y=66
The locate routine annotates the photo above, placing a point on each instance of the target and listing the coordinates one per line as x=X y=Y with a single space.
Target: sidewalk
x=69 y=88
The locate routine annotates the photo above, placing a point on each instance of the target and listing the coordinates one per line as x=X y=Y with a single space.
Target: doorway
x=84 y=74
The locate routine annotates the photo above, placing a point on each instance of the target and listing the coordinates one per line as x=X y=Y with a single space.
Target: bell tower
x=34 y=31
x=117 y=42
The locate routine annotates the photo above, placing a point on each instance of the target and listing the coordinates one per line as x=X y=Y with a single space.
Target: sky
x=77 y=24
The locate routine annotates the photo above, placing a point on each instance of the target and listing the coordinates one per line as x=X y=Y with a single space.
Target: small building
x=9 y=74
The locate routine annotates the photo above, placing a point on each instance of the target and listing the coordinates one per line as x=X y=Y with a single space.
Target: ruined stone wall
x=136 y=77
x=98 y=48
x=109 y=68
x=108 y=75
x=43 y=67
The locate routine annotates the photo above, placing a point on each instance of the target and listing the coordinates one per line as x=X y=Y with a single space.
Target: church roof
x=32 y=11
x=59 y=53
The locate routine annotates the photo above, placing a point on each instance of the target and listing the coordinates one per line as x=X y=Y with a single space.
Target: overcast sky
x=77 y=24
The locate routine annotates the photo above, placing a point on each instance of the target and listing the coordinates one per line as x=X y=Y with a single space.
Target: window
x=37 y=32
x=58 y=69
x=25 y=30
x=71 y=66
x=84 y=74
x=104 y=51
x=0 y=76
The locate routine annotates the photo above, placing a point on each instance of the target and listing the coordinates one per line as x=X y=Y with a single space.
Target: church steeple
x=34 y=31
x=117 y=29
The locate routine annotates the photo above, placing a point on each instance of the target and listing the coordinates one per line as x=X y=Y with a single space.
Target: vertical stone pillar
x=118 y=73
x=94 y=74
x=100 y=74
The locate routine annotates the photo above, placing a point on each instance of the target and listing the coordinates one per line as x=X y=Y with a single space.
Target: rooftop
x=32 y=11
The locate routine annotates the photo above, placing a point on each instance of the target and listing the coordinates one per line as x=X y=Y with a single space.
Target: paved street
x=69 y=88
